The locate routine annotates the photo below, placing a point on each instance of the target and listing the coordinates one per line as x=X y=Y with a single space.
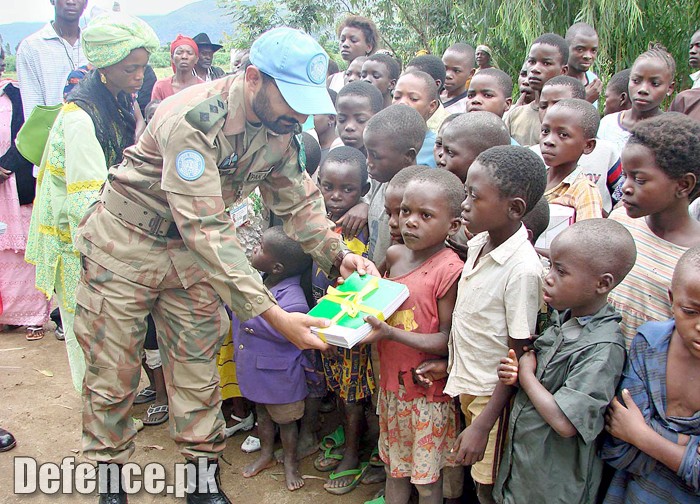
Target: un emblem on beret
x=189 y=165
x=317 y=68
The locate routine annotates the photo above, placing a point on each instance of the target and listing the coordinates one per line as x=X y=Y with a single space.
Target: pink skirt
x=22 y=303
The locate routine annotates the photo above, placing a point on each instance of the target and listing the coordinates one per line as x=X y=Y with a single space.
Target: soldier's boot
x=110 y=485
x=204 y=483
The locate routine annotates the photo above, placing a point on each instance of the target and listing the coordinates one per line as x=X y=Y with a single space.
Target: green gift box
x=348 y=304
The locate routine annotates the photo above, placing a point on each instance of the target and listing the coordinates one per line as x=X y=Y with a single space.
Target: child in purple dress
x=270 y=368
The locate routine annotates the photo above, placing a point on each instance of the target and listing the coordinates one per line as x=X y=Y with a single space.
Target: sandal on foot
x=374 y=458
x=328 y=461
x=251 y=444
x=155 y=410
x=335 y=439
x=146 y=395
x=374 y=475
x=357 y=475
x=34 y=333
x=243 y=425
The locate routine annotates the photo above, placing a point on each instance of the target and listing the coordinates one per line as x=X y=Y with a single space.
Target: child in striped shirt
x=661 y=163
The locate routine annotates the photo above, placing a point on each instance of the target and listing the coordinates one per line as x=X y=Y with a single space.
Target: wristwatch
x=335 y=270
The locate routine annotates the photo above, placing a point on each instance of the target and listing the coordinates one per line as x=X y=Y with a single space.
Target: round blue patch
x=189 y=165
x=317 y=68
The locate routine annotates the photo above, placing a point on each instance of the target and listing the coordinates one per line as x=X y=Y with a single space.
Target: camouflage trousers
x=110 y=325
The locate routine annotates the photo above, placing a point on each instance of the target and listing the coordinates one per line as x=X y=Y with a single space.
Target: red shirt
x=419 y=313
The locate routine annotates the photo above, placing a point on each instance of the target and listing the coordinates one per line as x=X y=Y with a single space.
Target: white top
x=611 y=130
x=44 y=61
x=695 y=77
x=337 y=81
x=498 y=297
x=694 y=209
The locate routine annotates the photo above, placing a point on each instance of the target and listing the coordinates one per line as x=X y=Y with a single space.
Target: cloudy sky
x=42 y=10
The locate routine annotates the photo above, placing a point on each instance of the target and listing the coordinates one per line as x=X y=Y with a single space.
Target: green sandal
x=328 y=455
x=335 y=439
x=374 y=458
x=357 y=475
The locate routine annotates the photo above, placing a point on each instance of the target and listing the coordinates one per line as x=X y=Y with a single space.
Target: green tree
x=625 y=27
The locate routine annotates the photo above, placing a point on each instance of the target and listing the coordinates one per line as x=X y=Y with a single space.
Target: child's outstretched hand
x=624 y=420
x=380 y=330
x=508 y=369
x=430 y=371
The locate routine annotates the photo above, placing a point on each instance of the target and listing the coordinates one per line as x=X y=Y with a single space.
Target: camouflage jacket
x=197 y=157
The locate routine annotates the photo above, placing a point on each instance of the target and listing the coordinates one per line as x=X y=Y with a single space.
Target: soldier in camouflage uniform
x=159 y=241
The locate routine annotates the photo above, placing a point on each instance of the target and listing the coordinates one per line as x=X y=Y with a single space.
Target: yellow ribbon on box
x=351 y=303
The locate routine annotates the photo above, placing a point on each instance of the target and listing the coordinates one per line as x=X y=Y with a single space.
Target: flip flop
x=374 y=475
x=243 y=425
x=335 y=459
x=34 y=333
x=374 y=458
x=154 y=410
x=251 y=444
x=146 y=395
x=335 y=439
x=378 y=500
x=357 y=475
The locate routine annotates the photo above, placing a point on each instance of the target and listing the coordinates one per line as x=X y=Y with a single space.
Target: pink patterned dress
x=22 y=304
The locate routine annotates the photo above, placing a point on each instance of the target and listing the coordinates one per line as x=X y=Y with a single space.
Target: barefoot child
x=662 y=167
x=499 y=299
x=655 y=425
x=268 y=366
x=417 y=425
x=569 y=377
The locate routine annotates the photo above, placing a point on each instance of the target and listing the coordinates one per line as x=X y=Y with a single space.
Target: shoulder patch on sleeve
x=205 y=114
x=189 y=165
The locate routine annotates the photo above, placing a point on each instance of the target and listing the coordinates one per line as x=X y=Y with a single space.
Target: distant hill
x=203 y=16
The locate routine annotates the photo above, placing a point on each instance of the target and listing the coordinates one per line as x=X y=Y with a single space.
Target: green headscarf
x=109 y=38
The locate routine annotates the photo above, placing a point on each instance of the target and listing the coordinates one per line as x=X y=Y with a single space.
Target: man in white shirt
x=694 y=59
x=45 y=58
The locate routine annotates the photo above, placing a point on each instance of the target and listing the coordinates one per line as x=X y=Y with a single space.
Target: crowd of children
x=549 y=347
x=564 y=373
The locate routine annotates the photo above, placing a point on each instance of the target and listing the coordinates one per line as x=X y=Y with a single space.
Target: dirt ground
x=43 y=413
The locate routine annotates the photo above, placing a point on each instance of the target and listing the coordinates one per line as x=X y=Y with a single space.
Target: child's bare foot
x=294 y=479
x=264 y=462
x=304 y=449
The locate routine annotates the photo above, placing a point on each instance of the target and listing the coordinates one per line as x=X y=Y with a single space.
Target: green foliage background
x=625 y=27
